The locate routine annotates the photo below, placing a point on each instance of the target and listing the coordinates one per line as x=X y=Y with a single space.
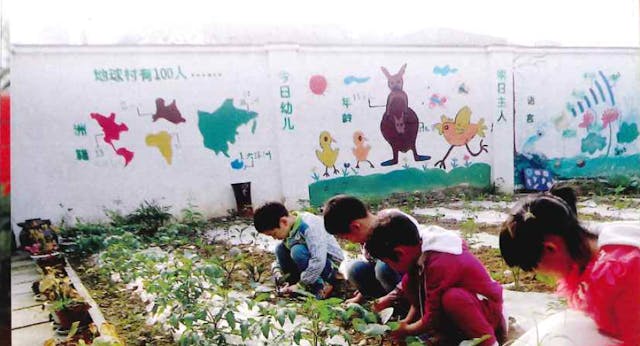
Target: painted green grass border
x=403 y=180
x=596 y=167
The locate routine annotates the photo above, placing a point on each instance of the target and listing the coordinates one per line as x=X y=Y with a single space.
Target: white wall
x=551 y=87
x=55 y=88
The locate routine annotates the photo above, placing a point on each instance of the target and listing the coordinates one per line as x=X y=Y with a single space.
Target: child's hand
x=401 y=333
x=381 y=304
x=288 y=289
x=356 y=299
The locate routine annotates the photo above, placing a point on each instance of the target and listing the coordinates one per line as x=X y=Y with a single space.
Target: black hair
x=550 y=213
x=340 y=211
x=389 y=232
x=267 y=217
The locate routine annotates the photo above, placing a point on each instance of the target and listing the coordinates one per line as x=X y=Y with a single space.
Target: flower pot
x=242 y=193
x=35 y=287
x=55 y=319
x=73 y=313
x=54 y=259
x=35 y=224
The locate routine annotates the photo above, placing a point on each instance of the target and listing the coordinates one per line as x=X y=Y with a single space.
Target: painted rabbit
x=399 y=125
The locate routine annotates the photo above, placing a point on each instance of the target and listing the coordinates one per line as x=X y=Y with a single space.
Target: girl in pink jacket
x=598 y=273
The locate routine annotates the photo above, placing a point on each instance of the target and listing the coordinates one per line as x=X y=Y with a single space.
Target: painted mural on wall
x=220 y=127
x=111 y=132
x=600 y=135
x=459 y=132
x=168 y=112
x=161 y=141
x=327 y=155
x=399 y=124
x=361 y=149
x=403 y=131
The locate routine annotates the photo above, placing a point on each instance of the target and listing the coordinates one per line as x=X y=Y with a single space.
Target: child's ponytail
x=567 y=194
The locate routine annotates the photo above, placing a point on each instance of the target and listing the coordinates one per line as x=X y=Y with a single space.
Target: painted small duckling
x=361 y=150
x=328 y=156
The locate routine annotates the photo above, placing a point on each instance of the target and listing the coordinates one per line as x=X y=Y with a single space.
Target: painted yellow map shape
x=162 y=141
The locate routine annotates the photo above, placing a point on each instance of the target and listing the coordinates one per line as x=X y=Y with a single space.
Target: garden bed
x=195 y=281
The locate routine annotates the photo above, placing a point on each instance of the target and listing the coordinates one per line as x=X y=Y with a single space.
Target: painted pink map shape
x=112 y=132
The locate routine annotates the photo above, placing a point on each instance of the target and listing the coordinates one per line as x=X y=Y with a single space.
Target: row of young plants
x=214 y=293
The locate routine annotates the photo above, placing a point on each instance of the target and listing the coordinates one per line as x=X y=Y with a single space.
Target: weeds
x=148 y=217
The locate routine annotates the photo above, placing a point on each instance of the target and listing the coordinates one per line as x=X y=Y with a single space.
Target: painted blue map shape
x=220 y=128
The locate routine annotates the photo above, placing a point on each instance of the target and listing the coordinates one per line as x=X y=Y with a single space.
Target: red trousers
x=466 y=316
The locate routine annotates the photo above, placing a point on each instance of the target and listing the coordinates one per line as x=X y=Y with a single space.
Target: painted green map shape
x=220 y=128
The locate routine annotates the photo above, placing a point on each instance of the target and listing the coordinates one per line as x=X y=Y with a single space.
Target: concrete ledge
x=94 y=311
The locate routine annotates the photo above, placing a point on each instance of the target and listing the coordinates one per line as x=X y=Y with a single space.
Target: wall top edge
x=31 y=49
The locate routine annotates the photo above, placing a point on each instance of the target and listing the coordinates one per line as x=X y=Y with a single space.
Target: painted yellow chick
x=361 y=149
x=460 y=131
x=327 y=155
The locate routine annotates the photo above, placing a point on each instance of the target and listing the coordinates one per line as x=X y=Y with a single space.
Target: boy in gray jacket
x=308 y=255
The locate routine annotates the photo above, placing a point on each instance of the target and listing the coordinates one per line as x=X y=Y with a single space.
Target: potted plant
x=53 y=285
x=89 y=336
x=37 y=231
x=44 y=248
x=41 y=242
x=77 y=336
x=69 y=310
x=66 y=305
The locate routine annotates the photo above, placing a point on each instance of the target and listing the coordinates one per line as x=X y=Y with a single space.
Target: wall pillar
x=502 y=123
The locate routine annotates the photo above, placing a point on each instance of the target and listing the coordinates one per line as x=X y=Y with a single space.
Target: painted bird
x=327 y=155
x=361 y=150
x=460 y=132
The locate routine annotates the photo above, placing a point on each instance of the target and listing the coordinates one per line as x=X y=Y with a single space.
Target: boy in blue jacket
x=308 y=255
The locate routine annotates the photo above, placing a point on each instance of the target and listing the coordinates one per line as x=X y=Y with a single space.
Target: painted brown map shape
x=112 y=132
x=170 y=112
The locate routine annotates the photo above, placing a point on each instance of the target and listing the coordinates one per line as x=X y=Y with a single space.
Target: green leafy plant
x=475 y=341
x=231 y=263
x=193 y=218
x=255 y=269
x=516 y=278
x=546 y=279
x=186 y=289
x=148 y=217
x=469 y=227
x=321 y=314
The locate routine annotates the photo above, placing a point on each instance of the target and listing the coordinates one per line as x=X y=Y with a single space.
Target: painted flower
x=466 y=157
x=609 y=116
x=587 y=119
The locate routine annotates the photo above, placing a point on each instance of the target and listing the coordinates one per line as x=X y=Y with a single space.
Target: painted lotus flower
x=587 y=119
x=610 y=115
